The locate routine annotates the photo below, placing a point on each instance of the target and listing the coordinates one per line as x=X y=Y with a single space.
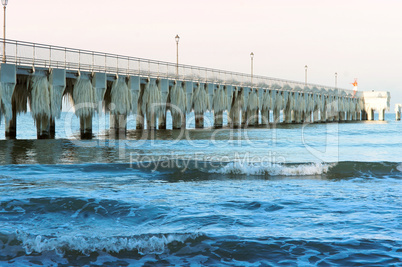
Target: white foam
x=273 y=169
x=145 y=244
x=399 y=167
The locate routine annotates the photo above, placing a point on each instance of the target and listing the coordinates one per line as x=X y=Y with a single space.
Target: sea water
x=312 y=194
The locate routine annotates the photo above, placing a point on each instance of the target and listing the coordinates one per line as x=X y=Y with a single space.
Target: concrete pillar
x=199 y=120
x=8 y=77
x=163 y=85
x=42 y=128
x=86 y=127
x=358 y=116
x=398 y=110
x=118 y=124
x=218 y=119
x=52 y=128
x=381 y=115
x=370 y=115
x=11 y=126
x=277 y=116
x=235 y=109
x=287 y=115
x=315 y=116
x=140 y=118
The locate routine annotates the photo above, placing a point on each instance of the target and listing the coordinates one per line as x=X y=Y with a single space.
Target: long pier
x=41 y=75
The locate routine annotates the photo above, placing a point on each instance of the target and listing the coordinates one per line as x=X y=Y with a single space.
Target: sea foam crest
x=144 y=244
x=399 y=167
x=273 y=169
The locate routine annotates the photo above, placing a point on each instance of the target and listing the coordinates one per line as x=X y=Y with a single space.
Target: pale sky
x=355 y=38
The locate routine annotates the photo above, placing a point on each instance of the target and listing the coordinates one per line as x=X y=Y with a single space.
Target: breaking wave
x=142 y=244
x=273 y=169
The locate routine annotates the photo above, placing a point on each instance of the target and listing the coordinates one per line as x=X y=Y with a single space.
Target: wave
x=183 y=170
x=142 y=244
x=273 y=169
x=196 y=249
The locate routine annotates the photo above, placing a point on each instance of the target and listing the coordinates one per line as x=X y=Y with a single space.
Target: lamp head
x=305 y=67
x=252 y=55
x=177 y=38
x=4 y=2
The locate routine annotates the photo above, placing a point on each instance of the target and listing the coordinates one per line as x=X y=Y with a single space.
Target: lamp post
x=336 y=80
x=305 y=78
x=4 y=2
x=177 y=38
x=252 y=57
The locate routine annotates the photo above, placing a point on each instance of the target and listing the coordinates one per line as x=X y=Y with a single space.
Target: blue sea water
x=314 y=194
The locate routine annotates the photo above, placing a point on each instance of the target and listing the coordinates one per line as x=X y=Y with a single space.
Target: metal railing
x=24 y=53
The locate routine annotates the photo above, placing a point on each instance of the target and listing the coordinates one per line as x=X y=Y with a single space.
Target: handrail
x=51 y=56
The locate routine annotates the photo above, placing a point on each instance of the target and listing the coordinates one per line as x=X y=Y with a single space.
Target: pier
x=40 y=76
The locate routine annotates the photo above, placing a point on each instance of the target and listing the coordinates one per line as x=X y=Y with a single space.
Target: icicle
x=121 y=97
x=83 y=97
x=273 y=99
x=252 y=103
x=219 y=101
x=56 y=96
x=177 y=99
x=151 y=99
x=6 y=94
x=163 y=101
x=20 y=95
x=199 y=100
x=40 y=97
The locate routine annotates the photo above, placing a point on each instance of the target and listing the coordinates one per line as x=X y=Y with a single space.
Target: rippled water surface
x=318 y=194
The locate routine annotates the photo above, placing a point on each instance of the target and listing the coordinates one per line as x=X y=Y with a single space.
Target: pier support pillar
x=364 y=115
x=199 y=120
x=162 y=121
x=42 y=128
x=381 y=115
x=176 y=120
x=52 y=128
x=315 y=116
x=264 y=117
x=86 y=127
x=11 y=126
x=398 y=110
x=288 y=116
x=370 y=115
x=139 y=119
x=277 y=116
x=218 y=119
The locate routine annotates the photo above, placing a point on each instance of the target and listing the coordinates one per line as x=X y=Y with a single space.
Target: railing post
x=79 y=59
x=93 y=61
x=33 y=58
x=50 y=56
x=128 y=65
x=105 y=62
x=65 y=58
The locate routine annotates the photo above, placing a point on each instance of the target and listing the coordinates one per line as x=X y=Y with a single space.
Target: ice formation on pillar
x=6 y=94
x=163 y=101
x=177 y=99
x=20 y=95
x=120 y=97
x=360 y=105
x=252 y=103
x=219 y=101
x=39 y=100
x=56 y=97
x=199 y=100
x=83 y=97
x=151 y=99
x=265 y=102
